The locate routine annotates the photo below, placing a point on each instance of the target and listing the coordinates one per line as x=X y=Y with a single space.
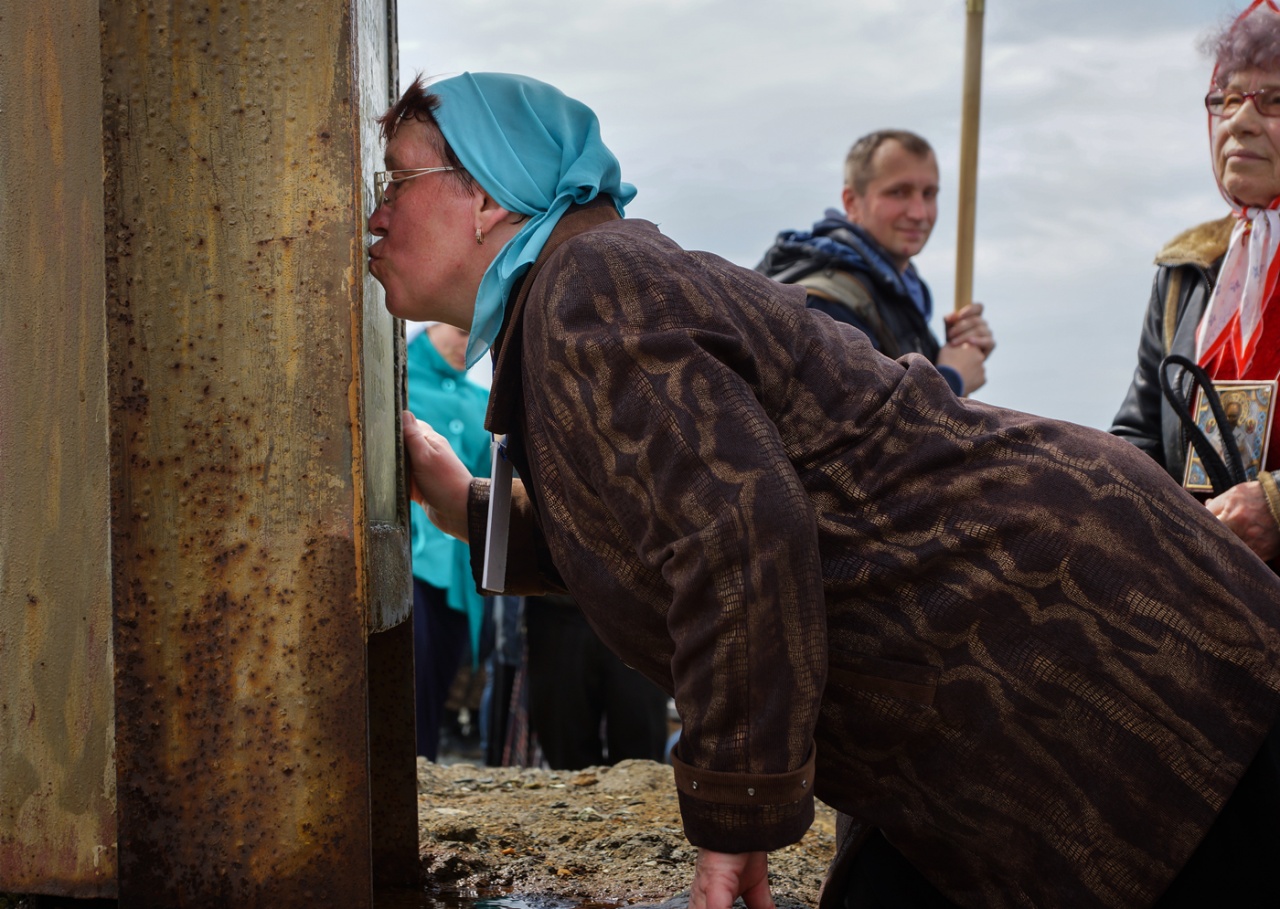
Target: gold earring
x=479 y=237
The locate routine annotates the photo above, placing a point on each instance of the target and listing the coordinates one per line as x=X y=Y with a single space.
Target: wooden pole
x=969 y=153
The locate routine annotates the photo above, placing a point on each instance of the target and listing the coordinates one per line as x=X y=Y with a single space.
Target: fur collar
x=1201 y=245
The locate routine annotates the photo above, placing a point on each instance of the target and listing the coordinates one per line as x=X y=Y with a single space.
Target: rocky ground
x=603 y=834
x=596 y=838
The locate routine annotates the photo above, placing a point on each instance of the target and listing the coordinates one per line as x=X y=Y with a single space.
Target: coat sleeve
x=655 y=384
x=1138 y=420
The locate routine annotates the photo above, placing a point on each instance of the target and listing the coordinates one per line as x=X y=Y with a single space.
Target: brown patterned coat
x=1016 y=646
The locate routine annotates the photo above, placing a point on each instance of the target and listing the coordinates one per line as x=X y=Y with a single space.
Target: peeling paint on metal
x=389 y=586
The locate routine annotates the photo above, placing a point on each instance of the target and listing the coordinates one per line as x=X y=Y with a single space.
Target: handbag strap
x=1224 y=470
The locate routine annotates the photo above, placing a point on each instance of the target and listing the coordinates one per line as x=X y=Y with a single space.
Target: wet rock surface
x=603 y=834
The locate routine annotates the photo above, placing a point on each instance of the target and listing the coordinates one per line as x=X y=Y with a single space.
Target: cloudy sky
x=732 y=117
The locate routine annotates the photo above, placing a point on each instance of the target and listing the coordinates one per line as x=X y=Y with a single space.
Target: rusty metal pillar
x=258 y=534
x=57 y=779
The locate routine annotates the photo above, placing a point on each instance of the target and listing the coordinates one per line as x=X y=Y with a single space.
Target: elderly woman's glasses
x=1226 y=104
x=383 y=180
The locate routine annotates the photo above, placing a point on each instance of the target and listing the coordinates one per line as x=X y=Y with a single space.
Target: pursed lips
x=374 y=260
x=1243 y=154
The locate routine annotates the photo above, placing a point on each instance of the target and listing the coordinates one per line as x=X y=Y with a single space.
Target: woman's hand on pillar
x=438 y=480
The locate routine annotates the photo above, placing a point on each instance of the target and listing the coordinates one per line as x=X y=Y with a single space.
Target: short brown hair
x=1253 y=41
x=858 y=171
x=416 y=103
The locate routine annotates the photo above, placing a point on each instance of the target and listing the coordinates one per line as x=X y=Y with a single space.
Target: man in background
x=856 y=265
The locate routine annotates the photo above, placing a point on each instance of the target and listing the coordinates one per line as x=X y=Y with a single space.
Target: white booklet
x=494 y=575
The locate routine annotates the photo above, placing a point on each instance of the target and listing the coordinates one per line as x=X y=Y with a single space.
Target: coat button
x=695 y=784
x=456 y=426
x=751 y=792
x=448 y=385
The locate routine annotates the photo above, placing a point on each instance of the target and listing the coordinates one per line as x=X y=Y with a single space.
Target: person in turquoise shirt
x=447 y=610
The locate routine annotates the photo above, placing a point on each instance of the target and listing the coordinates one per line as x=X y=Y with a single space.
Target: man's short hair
x=1253 y=41
x=858 y=171
x=417 y=103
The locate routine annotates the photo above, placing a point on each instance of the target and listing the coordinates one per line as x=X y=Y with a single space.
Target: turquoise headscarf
x=536 y=151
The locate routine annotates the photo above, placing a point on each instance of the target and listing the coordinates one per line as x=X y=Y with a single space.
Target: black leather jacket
x=1188 y=266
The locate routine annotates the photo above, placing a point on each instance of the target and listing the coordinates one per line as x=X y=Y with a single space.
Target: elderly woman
x=1215 y=294
x=1022 y=663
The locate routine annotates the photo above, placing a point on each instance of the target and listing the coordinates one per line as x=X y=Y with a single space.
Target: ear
x=852 y=204
x=489 y=214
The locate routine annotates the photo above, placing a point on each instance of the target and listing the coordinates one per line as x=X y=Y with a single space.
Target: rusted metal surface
x=390 y=578
x=57 y=778
x=238 y=325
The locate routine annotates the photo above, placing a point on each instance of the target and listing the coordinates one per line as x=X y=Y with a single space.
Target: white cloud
x=733 y=117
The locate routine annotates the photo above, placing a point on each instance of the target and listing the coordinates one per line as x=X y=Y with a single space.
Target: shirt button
x=456 y=426
x=448 y=385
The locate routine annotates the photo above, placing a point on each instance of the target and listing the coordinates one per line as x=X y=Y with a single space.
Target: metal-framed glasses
x=1266 y=101
x=383 y=180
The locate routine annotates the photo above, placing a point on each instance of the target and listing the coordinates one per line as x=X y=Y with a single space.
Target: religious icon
x=1247 y=409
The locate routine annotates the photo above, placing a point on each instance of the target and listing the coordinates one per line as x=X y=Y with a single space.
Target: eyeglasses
x=1266 y=101
x=383 y=180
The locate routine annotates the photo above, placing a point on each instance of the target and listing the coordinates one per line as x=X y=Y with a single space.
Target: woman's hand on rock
x=721 y=877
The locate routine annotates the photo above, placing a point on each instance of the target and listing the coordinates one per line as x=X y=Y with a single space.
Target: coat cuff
x=1270 y=492
x=477 y=525
x=744 y=812
x=530 y=571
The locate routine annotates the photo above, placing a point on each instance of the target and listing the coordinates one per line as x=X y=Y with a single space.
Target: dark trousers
x=440 y=642
x=575 y=683
x=497 y=716
x=1235 y=864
